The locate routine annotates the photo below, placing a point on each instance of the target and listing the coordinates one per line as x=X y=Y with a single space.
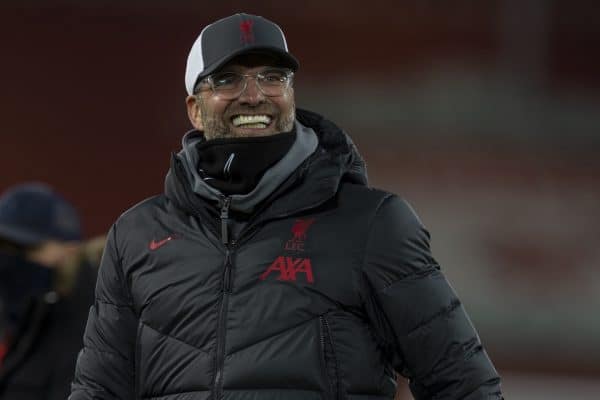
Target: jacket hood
x=335 y=159
x=337 y=144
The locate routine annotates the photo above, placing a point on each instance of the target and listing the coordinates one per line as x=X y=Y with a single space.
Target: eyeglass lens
x=272 y=82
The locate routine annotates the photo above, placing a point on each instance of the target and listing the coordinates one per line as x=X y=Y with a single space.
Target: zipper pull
x=225 y=220
x=227 y=273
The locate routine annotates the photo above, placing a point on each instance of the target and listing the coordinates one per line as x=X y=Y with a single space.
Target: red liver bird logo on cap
x=246 y=32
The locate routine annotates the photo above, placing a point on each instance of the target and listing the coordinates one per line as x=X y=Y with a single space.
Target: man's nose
x=252 y=94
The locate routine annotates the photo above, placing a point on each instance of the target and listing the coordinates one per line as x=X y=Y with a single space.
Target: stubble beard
x=219 y=128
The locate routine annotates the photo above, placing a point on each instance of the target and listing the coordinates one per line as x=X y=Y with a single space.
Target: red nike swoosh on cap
x=155 y=245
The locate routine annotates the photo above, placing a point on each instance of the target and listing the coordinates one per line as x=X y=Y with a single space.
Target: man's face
x=261 y=115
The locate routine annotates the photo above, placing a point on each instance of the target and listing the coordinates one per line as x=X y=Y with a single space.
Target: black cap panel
x=232 y=36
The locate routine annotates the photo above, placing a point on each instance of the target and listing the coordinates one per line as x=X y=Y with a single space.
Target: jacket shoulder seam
x=110 y=303
x=454 y=304
x=141 y=204
x=427 y=270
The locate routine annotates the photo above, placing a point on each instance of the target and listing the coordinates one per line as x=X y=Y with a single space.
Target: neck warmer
x=235 y=165
x=305 y=144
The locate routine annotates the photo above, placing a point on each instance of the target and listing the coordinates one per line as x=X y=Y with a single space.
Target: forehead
x=252 y=60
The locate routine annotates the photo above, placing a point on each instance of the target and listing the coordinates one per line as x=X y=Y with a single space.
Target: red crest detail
x=246 y=32
x=301 y=227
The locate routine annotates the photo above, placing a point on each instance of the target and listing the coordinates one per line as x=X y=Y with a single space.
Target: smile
x=251 y=121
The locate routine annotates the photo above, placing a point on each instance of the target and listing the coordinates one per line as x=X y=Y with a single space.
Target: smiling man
x=255 y=98
x=269 y=269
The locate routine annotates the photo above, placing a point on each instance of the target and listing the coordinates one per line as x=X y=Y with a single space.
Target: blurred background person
x=47 y=276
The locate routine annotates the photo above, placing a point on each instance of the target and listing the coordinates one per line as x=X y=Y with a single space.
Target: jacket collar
x=312 y=183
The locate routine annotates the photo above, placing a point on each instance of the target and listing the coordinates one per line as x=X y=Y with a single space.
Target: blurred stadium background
x=485 y=115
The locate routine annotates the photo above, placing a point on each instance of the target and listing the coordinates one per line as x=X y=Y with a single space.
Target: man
x=45 y=293
x=269 y=269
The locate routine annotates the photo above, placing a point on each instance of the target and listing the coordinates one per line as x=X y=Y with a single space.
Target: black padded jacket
x=327 y=292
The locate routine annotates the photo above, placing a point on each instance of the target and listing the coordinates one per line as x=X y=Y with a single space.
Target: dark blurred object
x=33 y=213
x=47 y=278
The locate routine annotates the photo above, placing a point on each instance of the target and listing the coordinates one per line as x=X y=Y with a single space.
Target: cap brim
x=20 y=236
x=284 y=59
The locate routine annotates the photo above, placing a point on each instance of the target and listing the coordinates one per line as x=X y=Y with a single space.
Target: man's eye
x=226 y=79
x=274 y=76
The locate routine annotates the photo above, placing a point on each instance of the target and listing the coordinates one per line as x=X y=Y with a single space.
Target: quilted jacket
x=328 y=291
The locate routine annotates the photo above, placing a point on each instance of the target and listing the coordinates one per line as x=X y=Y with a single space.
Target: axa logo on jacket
x=289 y=268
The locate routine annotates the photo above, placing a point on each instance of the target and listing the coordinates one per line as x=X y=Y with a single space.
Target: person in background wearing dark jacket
x=269 y=269
x=46 y=289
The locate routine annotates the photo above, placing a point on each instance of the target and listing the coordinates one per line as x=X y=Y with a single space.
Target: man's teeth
x=252 y=121
x=254 y=125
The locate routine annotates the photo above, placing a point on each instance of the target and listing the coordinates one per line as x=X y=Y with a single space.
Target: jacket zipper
x=326 y=341
x=226 y=282
x=225 y=292
x=225 y=221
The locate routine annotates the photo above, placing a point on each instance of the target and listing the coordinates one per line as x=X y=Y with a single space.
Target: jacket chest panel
x=176 y=287
x=292 y=271
x=289 y=271
x=320 y=260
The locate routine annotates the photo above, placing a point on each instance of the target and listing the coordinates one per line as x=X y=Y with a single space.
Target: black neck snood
x=234 y=166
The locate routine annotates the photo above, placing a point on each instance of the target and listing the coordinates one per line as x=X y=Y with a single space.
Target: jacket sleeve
x=417 y=316
x=105 y=366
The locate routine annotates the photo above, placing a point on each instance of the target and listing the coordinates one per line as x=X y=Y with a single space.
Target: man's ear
x=194 y=114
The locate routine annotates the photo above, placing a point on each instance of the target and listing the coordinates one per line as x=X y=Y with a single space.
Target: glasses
x=271 y=82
